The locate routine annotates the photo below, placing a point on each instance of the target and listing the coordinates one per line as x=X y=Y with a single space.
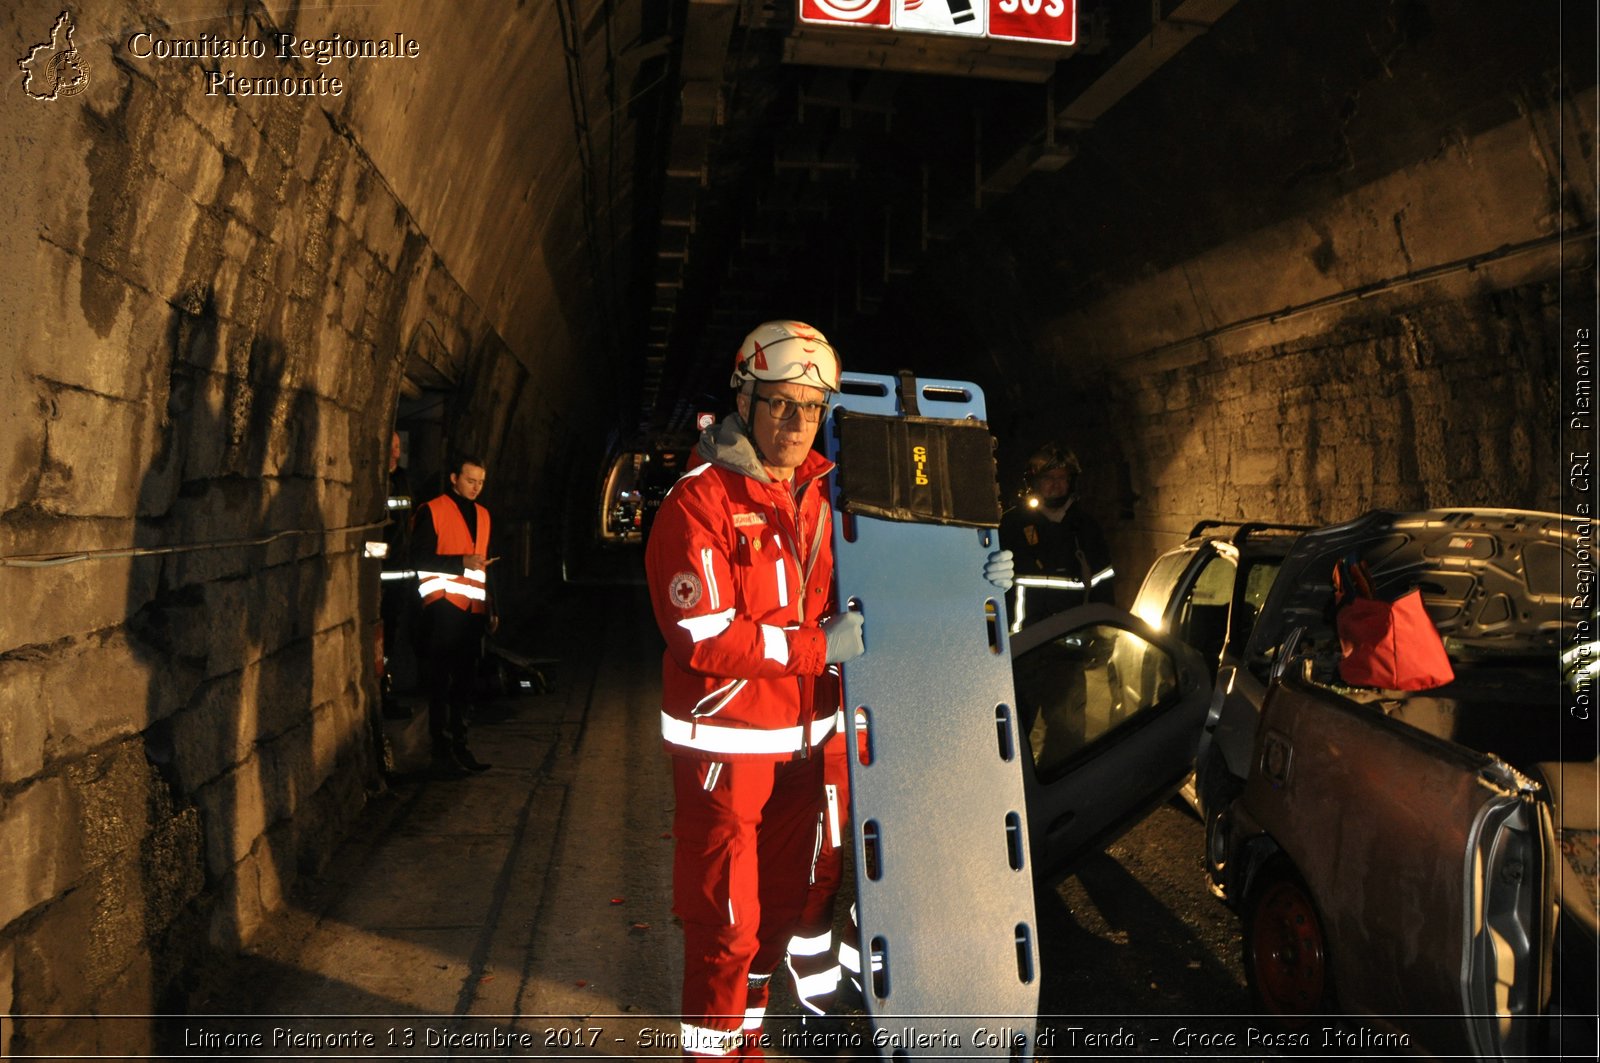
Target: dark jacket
x=1070 y=553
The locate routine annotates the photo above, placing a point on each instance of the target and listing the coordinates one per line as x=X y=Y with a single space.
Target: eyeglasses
x=782 y=409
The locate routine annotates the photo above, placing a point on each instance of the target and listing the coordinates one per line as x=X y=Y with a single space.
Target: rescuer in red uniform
x=740 y=568
x=450 y=551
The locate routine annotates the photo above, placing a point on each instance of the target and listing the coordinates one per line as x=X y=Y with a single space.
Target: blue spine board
x=955 y=918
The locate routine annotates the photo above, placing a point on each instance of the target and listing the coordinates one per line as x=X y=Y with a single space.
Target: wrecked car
x=1207 y=593
x=1418 y=858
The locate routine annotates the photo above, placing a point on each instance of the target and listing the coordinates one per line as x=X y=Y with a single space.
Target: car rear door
x=1425 y=860
x=1111 y=711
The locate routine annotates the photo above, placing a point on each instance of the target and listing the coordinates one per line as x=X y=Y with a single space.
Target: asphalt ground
x=526 y=910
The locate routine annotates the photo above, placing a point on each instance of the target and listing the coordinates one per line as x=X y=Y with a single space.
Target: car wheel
x=1286 y=948
x=1219 y=824
x=1222 y=789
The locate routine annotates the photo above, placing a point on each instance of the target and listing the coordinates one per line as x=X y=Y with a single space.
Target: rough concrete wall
x=208 y=308
x=1439 y=392
x=1312 y=267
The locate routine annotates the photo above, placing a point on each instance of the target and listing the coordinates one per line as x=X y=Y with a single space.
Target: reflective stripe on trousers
x=814 y=970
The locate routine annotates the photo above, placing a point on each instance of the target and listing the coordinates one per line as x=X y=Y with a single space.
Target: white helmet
x=786 y=351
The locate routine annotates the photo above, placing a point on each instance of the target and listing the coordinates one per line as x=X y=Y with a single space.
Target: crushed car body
x=1418 y=857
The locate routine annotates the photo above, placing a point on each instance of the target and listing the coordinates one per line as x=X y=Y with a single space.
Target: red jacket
x=740 y=570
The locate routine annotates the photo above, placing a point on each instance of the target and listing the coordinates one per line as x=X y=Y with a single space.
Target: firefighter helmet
x=786 y=352
x=1050 y=456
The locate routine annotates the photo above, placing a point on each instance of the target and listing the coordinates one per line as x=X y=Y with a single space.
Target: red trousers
x=745 y=831
x=833 y=837
x=817 y=964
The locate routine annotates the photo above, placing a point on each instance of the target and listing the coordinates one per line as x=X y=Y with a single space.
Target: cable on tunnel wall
x=47 y=560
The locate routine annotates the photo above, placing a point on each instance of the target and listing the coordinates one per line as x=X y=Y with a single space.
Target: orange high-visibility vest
x=469 y=590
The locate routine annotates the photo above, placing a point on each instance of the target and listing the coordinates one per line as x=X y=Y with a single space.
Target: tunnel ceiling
x=661 y=176
x=808 y=170
x=657 y=177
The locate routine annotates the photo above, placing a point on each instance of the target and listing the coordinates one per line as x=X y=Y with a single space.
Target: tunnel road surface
x=526 y=911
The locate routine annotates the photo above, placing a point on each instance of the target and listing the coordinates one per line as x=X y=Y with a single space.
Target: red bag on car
x=1392 y=645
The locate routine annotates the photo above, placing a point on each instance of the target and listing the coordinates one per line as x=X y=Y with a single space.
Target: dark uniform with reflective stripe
x=1072 y=551
x=454 y=617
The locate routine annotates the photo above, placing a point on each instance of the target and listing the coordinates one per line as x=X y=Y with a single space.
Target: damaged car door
x=1401 y=876
x=1111 y=712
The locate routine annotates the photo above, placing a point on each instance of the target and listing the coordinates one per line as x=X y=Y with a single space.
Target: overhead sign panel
x=940 y=16
x=847 y=12
x=1046 y=21
x=1054 y=21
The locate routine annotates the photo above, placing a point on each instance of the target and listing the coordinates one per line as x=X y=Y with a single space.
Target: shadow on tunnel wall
x=248 y=753
x=231 y=641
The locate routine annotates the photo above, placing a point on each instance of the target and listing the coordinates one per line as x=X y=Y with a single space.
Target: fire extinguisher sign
x=1046 y=21
x=1052 y=21
x=846 y=12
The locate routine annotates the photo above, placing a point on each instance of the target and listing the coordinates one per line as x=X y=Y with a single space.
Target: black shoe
x=834 y=1035
x=464 y=757
x=847 y=998
x=445 y=765
x=447 y=768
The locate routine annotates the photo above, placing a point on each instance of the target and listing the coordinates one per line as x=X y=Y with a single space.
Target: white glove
x=1001 y=569
x=843 y=631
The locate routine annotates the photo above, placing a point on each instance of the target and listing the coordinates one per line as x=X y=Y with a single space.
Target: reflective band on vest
x=469 y=584
x=1053 y=583
x=1066 y=583
x=710 y=738
x=469 y=591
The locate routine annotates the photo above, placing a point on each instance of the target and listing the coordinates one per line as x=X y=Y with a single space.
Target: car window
x=1202 y=618
x=1258 y=578
x=1156 y=591
x=1075 y=689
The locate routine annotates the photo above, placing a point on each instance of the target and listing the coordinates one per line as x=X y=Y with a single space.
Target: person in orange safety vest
x=450 y=551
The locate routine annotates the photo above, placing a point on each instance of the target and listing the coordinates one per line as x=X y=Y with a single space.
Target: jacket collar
x=726 y=445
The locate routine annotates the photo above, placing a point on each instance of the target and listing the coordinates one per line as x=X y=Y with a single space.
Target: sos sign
x=1034 y=20
x=1049 y=21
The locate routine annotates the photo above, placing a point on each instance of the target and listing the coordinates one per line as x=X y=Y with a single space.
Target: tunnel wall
x=210 y=305
x=1315 y=266
x=1381 y=390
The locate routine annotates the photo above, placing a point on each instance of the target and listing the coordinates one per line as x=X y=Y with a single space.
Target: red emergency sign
x=849 y=12
x=1045 y=21
x=1053 y=21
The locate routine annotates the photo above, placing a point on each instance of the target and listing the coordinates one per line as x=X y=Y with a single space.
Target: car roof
x=1490 y=578
x=1249 y=536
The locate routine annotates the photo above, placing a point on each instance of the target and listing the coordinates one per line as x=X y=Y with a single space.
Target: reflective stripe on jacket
x=468 y=590
x=740 y=570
